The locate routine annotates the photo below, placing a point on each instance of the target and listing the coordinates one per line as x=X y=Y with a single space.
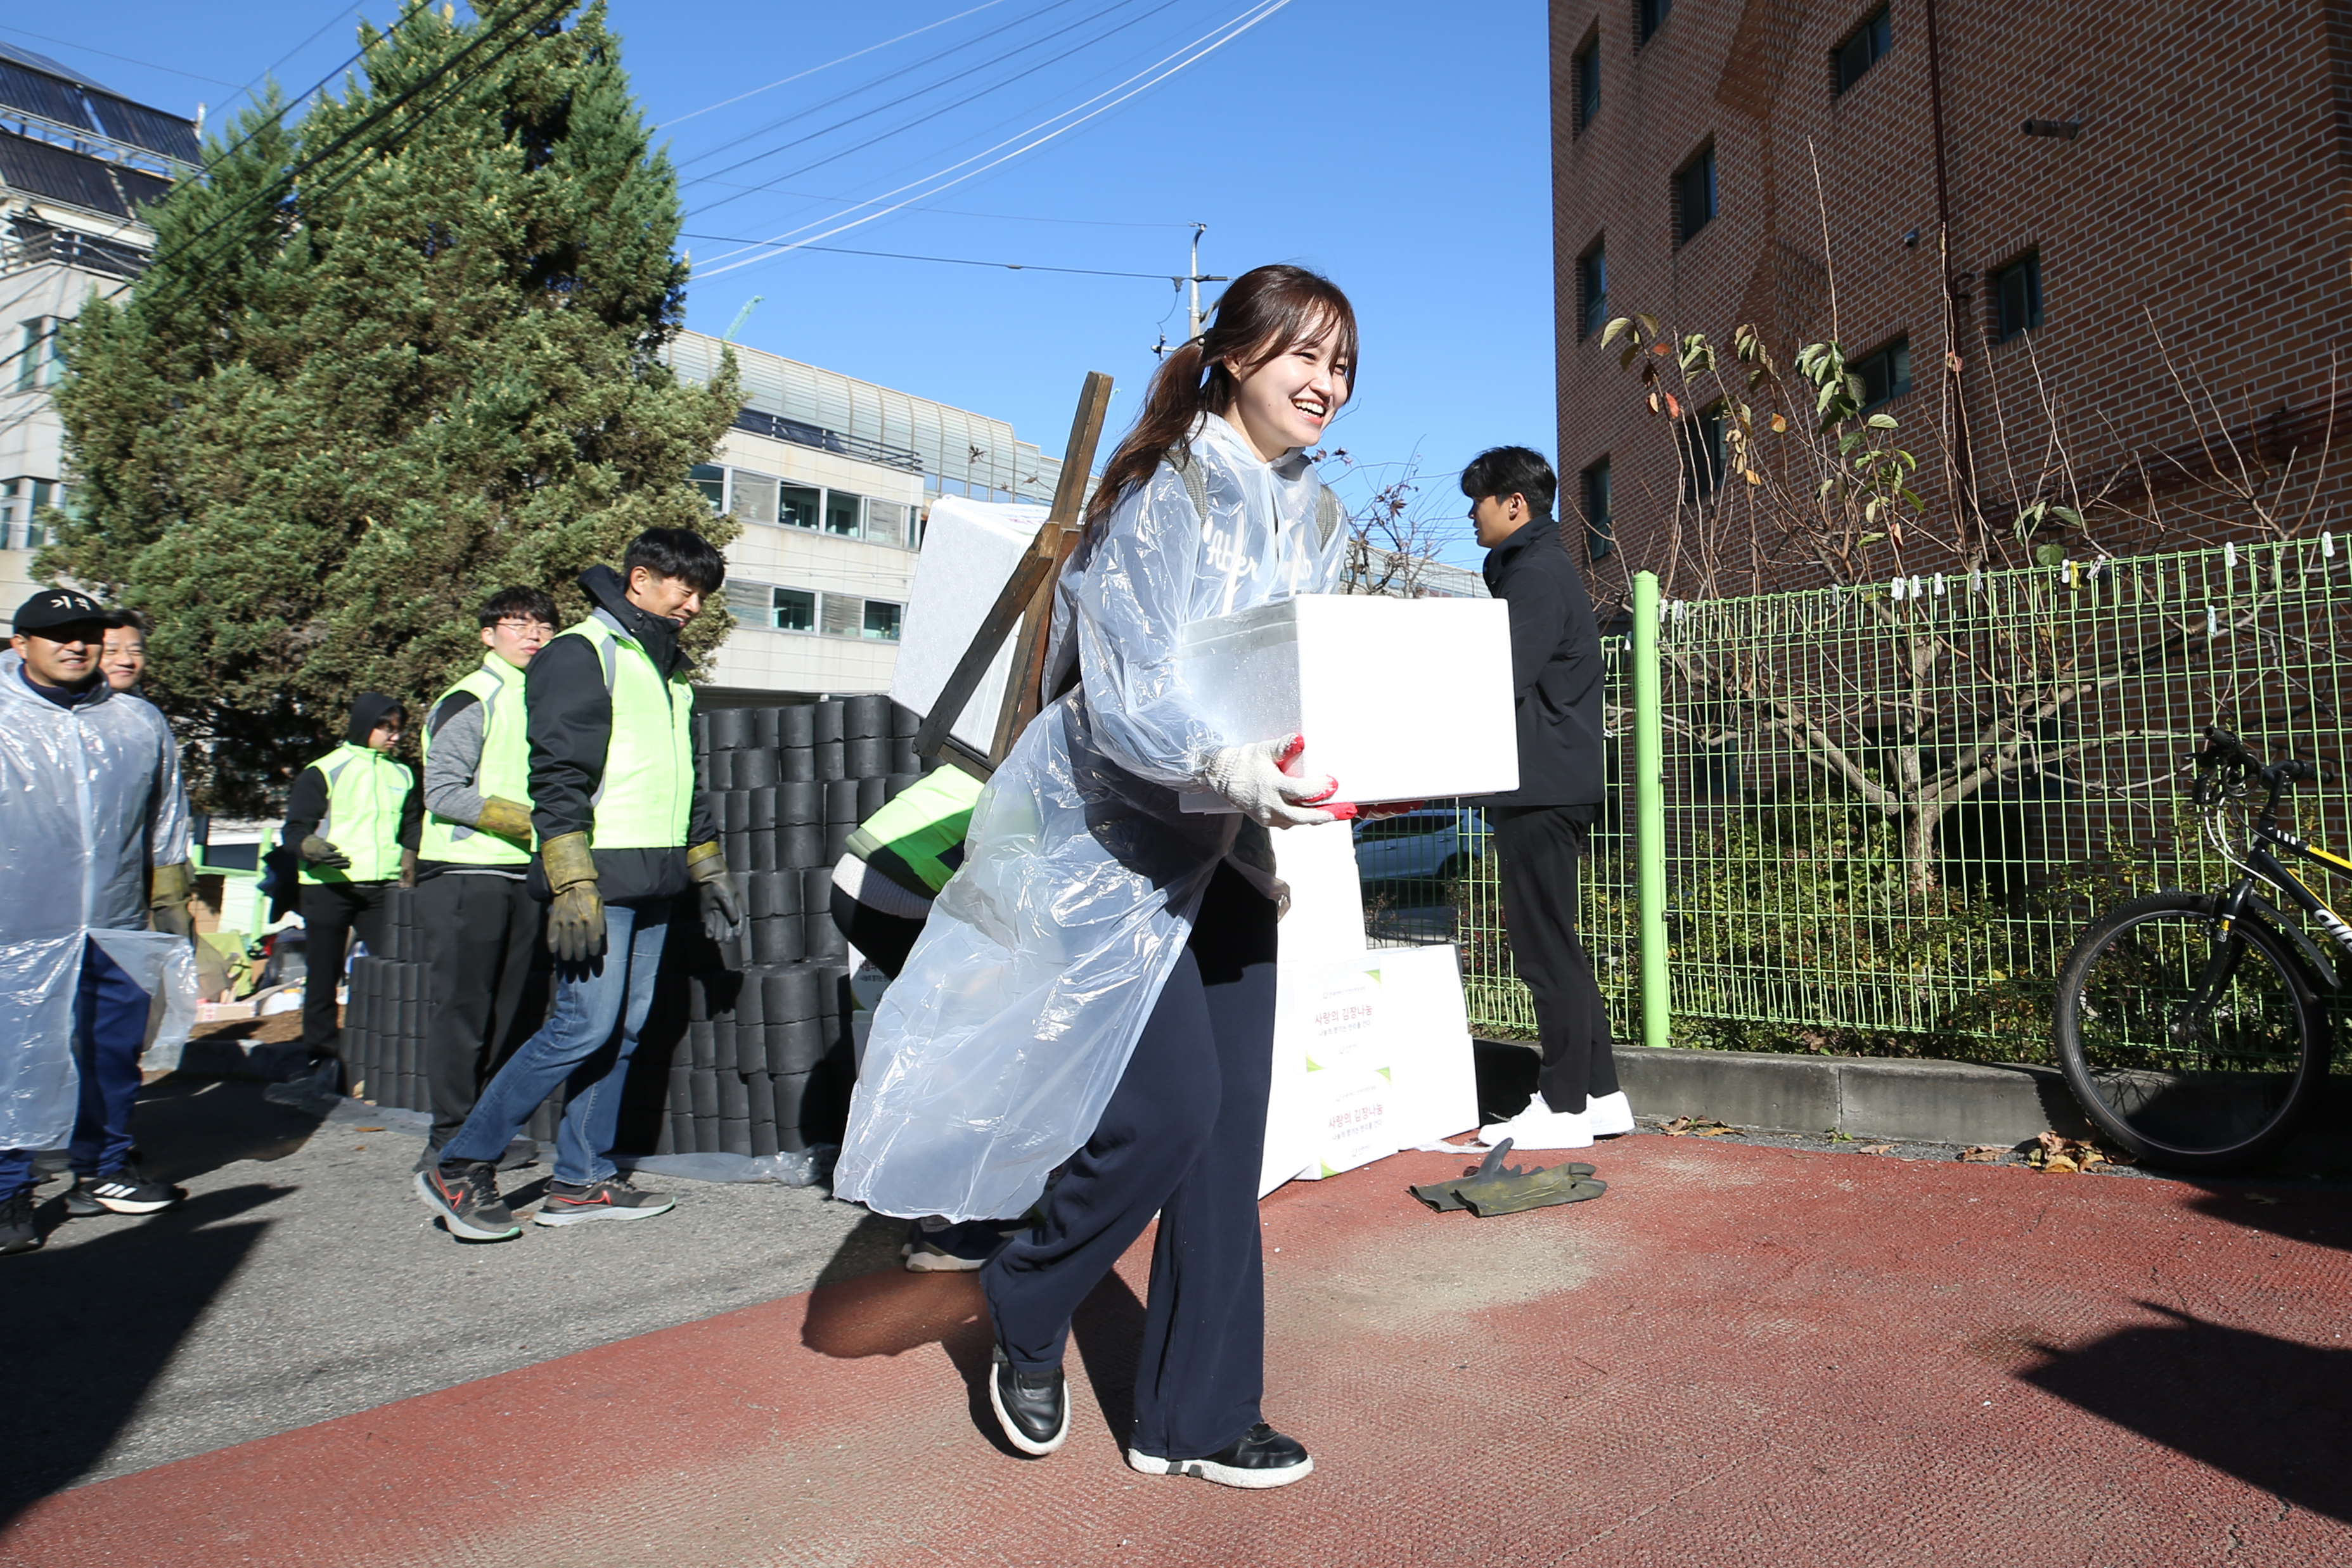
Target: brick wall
x=2199 y=228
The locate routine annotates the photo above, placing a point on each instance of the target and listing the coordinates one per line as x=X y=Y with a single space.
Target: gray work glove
x=319 y=852
x=722 y=906
x=1251 y=778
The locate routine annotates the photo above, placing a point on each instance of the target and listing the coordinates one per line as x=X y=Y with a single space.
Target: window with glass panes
x=1588 y=81
x=1694 y=196
x=1592 y=290
x=2017 y=296
x=1885 y=374
x=1649 y=15
x=711 y=480
x=843 y=513
x=1600 y=531
x=882 y=620
x=1863 y=47
x=1705 y=456
x=795 y=610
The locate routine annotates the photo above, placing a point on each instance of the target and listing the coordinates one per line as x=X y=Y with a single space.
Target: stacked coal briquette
x=384 y=1019
x=765 y=1063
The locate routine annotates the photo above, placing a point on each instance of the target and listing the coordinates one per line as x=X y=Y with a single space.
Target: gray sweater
x=451 y=765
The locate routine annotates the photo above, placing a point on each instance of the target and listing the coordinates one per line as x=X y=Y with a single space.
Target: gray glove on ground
x=1251 y=776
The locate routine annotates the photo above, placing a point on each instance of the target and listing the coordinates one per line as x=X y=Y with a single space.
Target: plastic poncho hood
x=994 y=1054
x=89 y=798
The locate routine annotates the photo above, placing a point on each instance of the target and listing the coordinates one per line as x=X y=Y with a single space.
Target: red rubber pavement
x=1738 y=1355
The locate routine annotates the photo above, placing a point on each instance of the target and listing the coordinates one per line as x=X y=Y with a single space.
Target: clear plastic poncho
x=89 y=797
x=993 y=1053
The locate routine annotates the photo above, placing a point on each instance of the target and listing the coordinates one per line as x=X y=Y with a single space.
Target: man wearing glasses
x=481 y=925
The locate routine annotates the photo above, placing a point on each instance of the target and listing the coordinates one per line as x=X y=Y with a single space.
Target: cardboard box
x=1397 y=698
x=969 y=549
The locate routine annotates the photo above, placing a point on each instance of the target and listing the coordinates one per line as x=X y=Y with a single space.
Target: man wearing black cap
x=93 y=848
x=353 y=818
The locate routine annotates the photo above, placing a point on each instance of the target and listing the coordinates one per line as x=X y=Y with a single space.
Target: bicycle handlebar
x=2224 y=755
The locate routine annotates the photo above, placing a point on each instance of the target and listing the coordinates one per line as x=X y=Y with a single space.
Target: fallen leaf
x=2061 y=1164
x=1877 y=1149
x=1696 y=1127
x=1982 y=1153
x=367 y=1128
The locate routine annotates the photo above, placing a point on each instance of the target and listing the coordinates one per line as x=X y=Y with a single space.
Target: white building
x=830 y=477
x=76 y=162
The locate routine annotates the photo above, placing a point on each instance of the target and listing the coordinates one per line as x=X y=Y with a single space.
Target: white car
x=1434 y=843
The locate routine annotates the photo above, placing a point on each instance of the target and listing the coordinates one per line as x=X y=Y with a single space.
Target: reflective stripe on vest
x=917 y=840
x=646 y=796
x=365 y=791
x=504 y=769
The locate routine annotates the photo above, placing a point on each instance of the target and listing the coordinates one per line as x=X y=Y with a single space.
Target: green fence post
x=1650 y=812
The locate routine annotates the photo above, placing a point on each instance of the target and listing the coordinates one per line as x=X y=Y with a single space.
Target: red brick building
x=2043 y=222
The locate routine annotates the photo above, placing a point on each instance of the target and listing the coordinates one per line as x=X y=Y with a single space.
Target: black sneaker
x=1258 y=1459
x=17 y=1231
x=121 y=1191
x=612 y=1198
x=467 y=1202
x=1033 y=1407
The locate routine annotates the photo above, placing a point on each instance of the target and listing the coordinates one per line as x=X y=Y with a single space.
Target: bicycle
x=2194 y=1028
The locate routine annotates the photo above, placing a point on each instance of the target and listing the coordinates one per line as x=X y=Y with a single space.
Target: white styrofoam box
x=1327 y=897
x=1370 y=1055
x=1429 y=1058
x=1397 y=698
x=970 y=550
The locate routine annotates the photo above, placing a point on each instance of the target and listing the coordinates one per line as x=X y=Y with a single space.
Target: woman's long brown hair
x=1268 y=312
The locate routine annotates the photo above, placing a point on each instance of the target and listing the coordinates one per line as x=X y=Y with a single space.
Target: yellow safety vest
x=648 y=794
x=504 y=769
x=365 y=791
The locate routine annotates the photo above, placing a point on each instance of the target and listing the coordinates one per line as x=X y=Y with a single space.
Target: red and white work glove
x=1251 y=778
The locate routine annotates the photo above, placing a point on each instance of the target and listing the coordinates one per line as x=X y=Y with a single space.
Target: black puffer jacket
x=571 y=727
x=1555 y=668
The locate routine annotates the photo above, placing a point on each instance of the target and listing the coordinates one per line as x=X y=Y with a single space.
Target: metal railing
x=776 y=427
x=1887 y=810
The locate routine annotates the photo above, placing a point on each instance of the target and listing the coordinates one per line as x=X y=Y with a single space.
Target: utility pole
x=1195 y=279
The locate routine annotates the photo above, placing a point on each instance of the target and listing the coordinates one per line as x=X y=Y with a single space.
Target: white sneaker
x=1540 y=1127
x=1609 y=1114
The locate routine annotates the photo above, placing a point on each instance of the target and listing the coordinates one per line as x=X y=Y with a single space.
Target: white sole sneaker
x=1224 y=1475
x=1012 y=1434
x=1608 y=1115
x=1539 y=1128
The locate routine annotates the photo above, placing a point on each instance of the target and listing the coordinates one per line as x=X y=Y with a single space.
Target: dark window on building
x=1588 y=81
x=1885 y=374
x=795 y=610
x=1592 y=290
x=1649 y=15
x=797 y=505
x=1694 y=196
x=1600 y=531
x=2017 y=298
x=711 y=480
x=882 y=620
x=1705 y=458
x=1863 y=47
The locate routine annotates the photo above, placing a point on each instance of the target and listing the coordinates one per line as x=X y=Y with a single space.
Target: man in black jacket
x=1541 y=828
x=623 y=830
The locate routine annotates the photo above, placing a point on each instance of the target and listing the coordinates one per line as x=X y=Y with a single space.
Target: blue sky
x=1400 y=147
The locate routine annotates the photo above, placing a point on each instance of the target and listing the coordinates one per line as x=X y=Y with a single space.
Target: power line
x=1206 y=44
x=947 y=108
x=946 y=260
x=296 y=50
x=126 y=59
x=959 y=212
x=828 y=64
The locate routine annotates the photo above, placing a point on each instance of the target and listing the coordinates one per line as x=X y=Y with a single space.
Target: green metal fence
x=1887 y=810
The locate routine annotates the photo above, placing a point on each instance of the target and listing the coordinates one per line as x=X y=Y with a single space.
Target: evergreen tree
x=349 y=400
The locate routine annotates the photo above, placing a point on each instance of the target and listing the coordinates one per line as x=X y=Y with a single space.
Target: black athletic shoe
x=612 y=1198
x=1258 y=1459
x=1033 y=1407
x=121 y=1191
x=17 y=1231
x=467 y=1202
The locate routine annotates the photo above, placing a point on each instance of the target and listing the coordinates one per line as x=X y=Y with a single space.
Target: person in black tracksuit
x=1541 y=828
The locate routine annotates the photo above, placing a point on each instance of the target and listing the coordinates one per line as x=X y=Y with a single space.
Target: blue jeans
x=110 y=1032
x=588 y=1038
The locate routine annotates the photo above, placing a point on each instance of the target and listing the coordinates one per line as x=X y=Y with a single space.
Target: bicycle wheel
x=2194 y=1044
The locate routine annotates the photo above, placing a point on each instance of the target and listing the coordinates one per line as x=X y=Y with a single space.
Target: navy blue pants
x=1183 y=1136
x=110 y=1032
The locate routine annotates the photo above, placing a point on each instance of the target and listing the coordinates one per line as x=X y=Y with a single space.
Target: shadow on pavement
x=882 y=1310
x=187 y=1126
x=2313 y=1217
x=91 y=1326
x=2273 y=1413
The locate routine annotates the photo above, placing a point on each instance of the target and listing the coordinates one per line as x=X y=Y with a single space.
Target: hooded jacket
x=306 y=803
x=1555 y=669
x=570 y=725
